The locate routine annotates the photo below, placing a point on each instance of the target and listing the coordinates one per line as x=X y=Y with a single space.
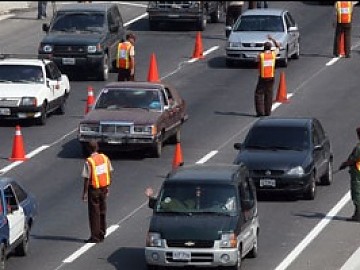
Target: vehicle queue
x=268 y=183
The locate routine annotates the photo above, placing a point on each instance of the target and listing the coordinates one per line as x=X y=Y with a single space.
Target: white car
x=31 y=89
x=251 y=30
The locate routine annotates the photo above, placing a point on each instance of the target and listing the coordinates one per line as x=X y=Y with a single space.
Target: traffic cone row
x=198 y=50
x=90 y=99
x=153 y=75
x=281 y=95
x=18 y=150
x=178 y=157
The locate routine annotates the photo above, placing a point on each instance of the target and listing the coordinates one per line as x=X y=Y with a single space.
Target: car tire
x=285 y=60
x=296 y=55
x=62 y=107
x=22 y=248
x=157 y=147
x=104 y=69
x=327 y=178
x=2 y=256
x=253 y=253
x=310 y=192
x=43 y=117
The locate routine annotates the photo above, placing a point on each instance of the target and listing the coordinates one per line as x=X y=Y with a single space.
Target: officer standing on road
x=233 y=11
x=353 y=162
x=125 y=60
x=97 y=178
x=343 y=16
x=265 y=85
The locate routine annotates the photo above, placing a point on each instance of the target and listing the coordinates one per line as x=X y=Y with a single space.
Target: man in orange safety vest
x=125 y=59
x=343 y=17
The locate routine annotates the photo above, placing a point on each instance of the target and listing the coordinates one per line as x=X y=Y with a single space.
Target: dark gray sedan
x=287 y=154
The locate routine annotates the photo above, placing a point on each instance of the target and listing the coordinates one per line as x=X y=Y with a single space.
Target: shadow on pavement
x=57 y=238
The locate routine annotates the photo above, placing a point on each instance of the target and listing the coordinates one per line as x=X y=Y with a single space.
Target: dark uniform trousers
x=346 y=29
x=97 y=212
x=264 y=96
x=125 y=75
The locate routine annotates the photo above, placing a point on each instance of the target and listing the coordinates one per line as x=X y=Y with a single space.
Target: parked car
x=31 y=88
x=287 y=155
x=196 y=12
x=84 y=38
x=132 y=115
x=18 y=211
x=204 y=215
x=248 y=35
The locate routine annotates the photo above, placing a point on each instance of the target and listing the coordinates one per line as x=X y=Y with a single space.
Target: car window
x=296 y=138
x=118 y=17
x=80 y=21
x=21 y=74
x=170 y=99
x=19 y=191
x=197 y=198
x=315 y=136
x=320 y=130
x=10 y=197
x=55 y=70
x=290 y=19
x=260 y=23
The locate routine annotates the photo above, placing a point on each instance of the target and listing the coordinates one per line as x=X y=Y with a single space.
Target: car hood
x=133 y=115
x=73 y=38
x=255 y=37
x=13 y=90
x=198 y=227
x=276 y=160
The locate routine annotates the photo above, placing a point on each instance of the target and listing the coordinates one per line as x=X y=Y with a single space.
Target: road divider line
x=214 y=48
x=207 y=157
x=332 y=61
x=135 y=19
x=314 y=233
x=353 y=262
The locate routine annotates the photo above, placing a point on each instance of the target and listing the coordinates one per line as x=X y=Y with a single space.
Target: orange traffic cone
x=153 y=75
x=198 y=50
x=341 y=45
x=282 y=93
x=90 y=99
x=18 y=152
x=178 y=158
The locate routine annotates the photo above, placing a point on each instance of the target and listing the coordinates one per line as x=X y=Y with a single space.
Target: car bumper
x=174 y=16
x=20 y=112
x=248 y=55
x=199 y=257
x=85 y=62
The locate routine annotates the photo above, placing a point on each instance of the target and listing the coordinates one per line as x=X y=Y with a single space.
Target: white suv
x=31 y=88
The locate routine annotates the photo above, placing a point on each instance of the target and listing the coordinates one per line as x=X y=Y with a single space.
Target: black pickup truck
x=195 y=12
x=84 y=37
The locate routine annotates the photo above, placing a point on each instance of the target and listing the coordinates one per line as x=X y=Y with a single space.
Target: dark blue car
x=18 y=209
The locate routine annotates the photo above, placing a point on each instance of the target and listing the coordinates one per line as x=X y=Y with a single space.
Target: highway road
x=295 y=234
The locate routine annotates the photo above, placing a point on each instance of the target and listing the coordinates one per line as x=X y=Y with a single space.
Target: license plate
x=267 y=183
x=181 y=255
x=68 y=61
x=114 y=141
x=4 y=111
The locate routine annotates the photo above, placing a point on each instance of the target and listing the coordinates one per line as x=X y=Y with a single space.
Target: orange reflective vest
x=343 y=11
x=123 y=55
x=99 y=170
x=267 y=65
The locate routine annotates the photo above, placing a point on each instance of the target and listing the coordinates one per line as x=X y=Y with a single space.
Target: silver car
x=250 y=31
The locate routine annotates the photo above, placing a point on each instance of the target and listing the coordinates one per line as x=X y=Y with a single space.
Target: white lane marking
x=207 y=157
x=277 y=104
x=192 y=60
x=353 y=262
x=313 y=233
x=332 y=61
x=135 y=19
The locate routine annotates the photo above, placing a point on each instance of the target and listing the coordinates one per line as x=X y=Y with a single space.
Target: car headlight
x=144 y=129
x=94 y=48
x=48 y=48
x=154 y=240
x=89 y=128
x=228 y=240
x=29 y=101
x=234 y=44
x=298 y=171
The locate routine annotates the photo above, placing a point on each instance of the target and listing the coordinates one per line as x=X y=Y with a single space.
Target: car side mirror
x=237 y=146
x=45 y=27
x=293 y=29
x=114 y=28
x=318 y=147
x=152 y=202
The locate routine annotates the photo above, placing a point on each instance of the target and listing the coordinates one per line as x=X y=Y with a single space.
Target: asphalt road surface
x=295 y=234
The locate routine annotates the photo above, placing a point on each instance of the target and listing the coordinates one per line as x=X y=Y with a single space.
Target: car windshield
x=129 y=98
x=72 y=22
x=199 y=198
x=21 y=74
x=260 y=23
x=278 y=138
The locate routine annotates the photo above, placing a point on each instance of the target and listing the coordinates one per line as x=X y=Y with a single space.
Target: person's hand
x=149 y=192
x=342 y=166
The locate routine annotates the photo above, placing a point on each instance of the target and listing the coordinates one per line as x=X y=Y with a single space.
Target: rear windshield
x=197 y=198
x=260 y=23
x=85 y=21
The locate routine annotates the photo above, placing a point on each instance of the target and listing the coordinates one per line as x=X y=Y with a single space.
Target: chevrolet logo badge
x=189 y=244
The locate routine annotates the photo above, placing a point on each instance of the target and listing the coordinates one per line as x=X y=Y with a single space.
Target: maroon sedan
x=132 y=115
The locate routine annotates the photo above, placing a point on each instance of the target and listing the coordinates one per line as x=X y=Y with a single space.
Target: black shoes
x=91 y=240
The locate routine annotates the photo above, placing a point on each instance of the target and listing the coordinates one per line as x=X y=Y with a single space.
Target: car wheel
x=254 y=251
x=43 y=117
x=327 y=178
x=296 y=55
x=202 y=23
x=2 y=256
x=310 y=192
x=216 y=15
x=176 y=137
x=157 y=148
x=104 y=69
x=61 y=109
x=284 y=62
x=22 y=248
